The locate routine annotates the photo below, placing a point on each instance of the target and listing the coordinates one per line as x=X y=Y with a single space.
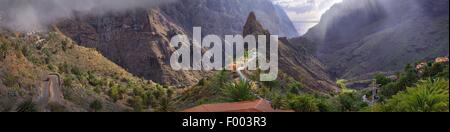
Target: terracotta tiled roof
x=245 y=106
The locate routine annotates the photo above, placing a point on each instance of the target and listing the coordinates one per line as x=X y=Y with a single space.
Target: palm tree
x=238 y=91
x=427 y=96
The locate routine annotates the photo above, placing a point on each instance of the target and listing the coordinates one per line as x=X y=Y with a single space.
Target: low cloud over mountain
x=28 y=15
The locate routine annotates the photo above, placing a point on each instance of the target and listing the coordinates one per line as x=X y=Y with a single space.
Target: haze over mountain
x=357 y=37
x=226 y=17
x=138 y=40
x=295 y=61
x=28 y=15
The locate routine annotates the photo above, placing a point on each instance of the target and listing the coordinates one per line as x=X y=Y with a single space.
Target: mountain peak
x=253 y=26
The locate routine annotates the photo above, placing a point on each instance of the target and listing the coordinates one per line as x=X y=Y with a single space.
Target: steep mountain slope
x=58 y=75
x=138 y=40
x=358 y=37
x=295 y=61
x=226 y=17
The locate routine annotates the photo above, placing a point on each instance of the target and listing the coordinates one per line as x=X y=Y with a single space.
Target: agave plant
x=238 y=91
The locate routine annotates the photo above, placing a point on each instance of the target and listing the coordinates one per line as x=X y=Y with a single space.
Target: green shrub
x=350 y=102
x=302 y=103
x=382 y=79
x=137 y=103
x=27 y=106
x=294 y=87
x=10 y=80
x=114 y=93
x=427 y=96
x=96 y=105
x=3 y=50
x=166 y=104
x=68 y=81
x=238 y=91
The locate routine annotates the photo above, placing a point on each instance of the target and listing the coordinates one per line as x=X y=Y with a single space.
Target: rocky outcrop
x=226 y=17
x=136 y=40
x=359 y=37
x=295 y=61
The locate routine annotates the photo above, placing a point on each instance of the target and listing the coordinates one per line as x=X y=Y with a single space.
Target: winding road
x=242 y=66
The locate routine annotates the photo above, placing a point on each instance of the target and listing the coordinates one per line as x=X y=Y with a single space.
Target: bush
x=137 y=103
x=382 y=79
x=166 y=104
x=238 y=91
x=427 y=96
x=10 y=80
x=3 y=51
x=294 y=87
x=350 y=102
x=96 y=105
x=219 y=81
x=326 y=105
x=68 y=81
x=94 y=80
x=114 y=93
x=27 y=106
x=407 y=78
x=302 y=103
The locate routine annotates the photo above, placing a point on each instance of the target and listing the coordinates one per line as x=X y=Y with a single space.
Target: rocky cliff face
x=226 y=17
x=295 y=61
x=357 y=37
x=138 y=40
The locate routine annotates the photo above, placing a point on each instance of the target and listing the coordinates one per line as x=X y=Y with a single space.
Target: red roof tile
x=245 y=106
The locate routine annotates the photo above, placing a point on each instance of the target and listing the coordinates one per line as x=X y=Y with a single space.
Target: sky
x=305 y=13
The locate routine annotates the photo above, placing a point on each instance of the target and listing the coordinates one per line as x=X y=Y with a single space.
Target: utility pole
x=375 y=88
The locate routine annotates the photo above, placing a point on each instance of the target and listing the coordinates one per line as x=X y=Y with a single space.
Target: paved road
x=243 y=66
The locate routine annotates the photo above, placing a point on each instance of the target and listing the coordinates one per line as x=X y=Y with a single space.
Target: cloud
x=305 y=13
x=27 y=15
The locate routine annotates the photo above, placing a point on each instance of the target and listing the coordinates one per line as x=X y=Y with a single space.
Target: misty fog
x=32 y=15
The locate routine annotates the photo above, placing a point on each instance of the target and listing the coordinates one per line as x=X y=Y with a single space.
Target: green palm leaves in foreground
x=427 y=96
x=238 y=91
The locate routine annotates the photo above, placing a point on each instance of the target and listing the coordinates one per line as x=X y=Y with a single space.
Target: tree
x=382 y=79
x=27 y=106
x=350 y=102
x=390 y=89
x=96 y=105
x=427 y=96
x=302 y=103
x=219 y=81
x=238 y=91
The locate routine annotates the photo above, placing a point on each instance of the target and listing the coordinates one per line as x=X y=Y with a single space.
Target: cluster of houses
x=436 y=60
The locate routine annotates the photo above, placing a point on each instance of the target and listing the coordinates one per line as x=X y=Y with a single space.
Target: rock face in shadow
x=138 y=40
x=359 y=37
x=226 y=17
x=294 y=60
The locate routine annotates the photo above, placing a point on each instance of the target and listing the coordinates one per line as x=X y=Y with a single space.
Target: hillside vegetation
x=87 y=80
